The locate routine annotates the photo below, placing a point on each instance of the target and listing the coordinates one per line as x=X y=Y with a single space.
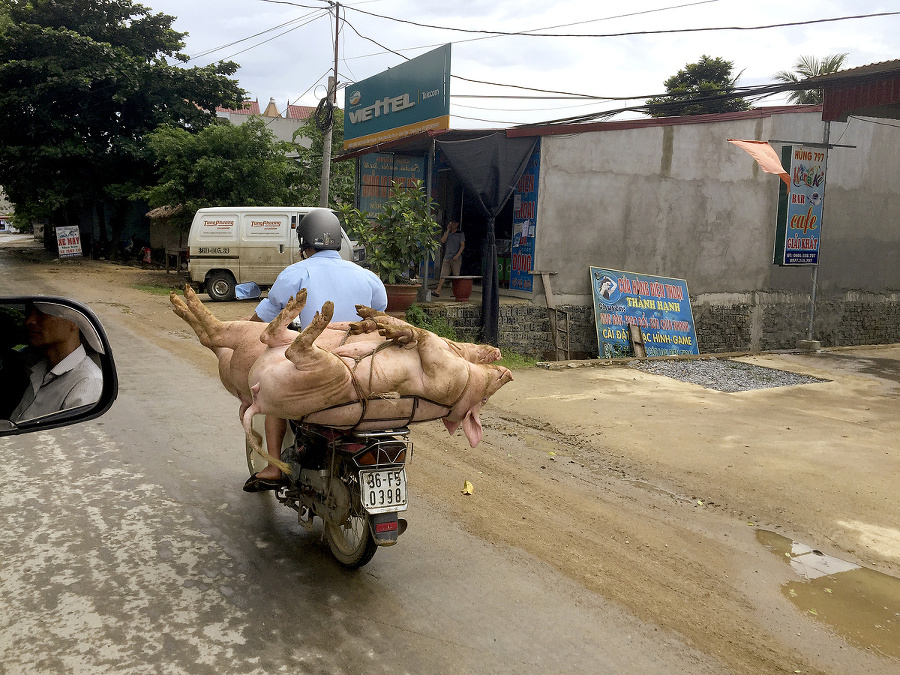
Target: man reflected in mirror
x=63 y=375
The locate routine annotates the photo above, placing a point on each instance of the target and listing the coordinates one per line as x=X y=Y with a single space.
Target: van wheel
x=220 y=286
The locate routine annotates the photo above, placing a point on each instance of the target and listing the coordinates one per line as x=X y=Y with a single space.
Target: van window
x=262 y=226
x=214 y=227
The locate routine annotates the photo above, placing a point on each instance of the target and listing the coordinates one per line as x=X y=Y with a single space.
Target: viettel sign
x=402 y=101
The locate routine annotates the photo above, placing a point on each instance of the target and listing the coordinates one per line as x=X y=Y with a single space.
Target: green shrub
x=437 y=325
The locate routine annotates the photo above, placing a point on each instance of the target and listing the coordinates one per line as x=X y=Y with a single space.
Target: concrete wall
x=679 y=201
x=282 y=128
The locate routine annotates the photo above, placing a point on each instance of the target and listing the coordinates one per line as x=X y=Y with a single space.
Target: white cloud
x=286 y=67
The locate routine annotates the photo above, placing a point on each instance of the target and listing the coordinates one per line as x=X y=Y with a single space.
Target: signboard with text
x=399 y=102
x=380 y=171
x=68 y=239
x=524 y=225
x=660 y=306
x=799 y=222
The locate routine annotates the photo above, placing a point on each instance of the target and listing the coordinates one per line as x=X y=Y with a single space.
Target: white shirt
x=73 y=382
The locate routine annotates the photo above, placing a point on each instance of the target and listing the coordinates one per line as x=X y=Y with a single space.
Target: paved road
x=129 y=547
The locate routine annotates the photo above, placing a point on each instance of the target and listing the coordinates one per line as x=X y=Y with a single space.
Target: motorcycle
x=354 y=482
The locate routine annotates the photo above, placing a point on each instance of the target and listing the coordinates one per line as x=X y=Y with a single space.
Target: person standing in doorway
x=454 y=241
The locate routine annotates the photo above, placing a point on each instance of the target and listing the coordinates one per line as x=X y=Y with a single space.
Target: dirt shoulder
x=646 y=490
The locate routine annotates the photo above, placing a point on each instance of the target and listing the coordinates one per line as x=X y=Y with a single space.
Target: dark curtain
x=489 y=168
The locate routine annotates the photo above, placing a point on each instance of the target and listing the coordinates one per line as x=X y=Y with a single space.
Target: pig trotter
x=304 y=341
x=183 y=311
x=362 y=327
x=276 y=332
x=404 y=335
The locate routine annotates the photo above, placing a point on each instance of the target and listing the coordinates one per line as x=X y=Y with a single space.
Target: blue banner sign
x=524 y=224
x=799 y=224
x=402 y=101
x=660 y=306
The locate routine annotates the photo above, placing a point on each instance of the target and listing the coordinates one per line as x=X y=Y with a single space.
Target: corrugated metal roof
x=870 y=70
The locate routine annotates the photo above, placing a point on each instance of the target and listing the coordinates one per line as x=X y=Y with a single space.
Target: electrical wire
x=533 y=30
x=275 y=37
x=863 y=119
x=249 y=37
x=497 y=84
x=627 y=33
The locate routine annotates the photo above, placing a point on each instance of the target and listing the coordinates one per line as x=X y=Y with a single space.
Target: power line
x=884 y=124
x=494 y=84
x=534 y=30
x=275 y=37
x=249 y=37
x=626 y=33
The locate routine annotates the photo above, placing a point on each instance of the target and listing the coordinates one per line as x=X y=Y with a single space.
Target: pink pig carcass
x=397 y=375
x=238 y=344
x=411 y=377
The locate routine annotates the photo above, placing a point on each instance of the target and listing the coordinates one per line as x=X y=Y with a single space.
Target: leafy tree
x=342 y=179
x=81 y=84
x=806 y=67
x=400 y=235
x=222 y=165
x=699 y=88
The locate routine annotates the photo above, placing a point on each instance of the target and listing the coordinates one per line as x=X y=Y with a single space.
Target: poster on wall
x=524 y=225
x=660 y=306
x=380 y=171
x=68 y=240
x=799 y=221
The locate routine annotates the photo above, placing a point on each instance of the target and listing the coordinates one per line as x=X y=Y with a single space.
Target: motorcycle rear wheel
x=351 y=542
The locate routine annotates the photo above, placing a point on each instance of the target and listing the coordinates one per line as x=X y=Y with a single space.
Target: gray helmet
x=320 y=229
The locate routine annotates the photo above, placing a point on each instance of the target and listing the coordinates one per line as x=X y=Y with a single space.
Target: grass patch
x=437 y=325
x=155 y=289
x=516 y=361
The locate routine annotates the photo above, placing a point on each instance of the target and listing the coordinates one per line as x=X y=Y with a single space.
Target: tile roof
x=249 y=108
x=299 y=112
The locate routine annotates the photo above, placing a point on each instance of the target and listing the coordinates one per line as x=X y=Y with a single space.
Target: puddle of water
x=860 y=604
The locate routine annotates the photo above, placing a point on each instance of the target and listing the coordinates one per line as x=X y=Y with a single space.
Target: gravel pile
x=723 y=374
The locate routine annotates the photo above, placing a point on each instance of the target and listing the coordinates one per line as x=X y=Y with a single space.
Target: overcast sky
x=291 y=63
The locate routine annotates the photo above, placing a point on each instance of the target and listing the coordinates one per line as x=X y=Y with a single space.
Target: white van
x=236 y=244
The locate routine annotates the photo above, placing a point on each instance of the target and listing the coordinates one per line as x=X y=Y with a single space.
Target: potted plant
x=400 y=236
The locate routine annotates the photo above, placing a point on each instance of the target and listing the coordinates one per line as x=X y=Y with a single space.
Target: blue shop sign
x=660 y=306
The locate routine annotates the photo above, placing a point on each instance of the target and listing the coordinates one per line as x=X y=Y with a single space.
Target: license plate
x=383 y=490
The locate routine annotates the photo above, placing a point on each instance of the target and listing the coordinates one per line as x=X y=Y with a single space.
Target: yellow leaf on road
x=468 y=488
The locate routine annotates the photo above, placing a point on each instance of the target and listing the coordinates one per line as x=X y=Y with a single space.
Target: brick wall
x=751 y=322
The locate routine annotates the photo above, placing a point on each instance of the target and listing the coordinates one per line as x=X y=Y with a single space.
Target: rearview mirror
x=56 y=365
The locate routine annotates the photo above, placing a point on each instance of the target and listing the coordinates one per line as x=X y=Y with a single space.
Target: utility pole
x=826 y=138
x=326 y=136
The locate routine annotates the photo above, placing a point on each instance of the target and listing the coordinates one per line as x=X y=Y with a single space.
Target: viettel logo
x=355 y=97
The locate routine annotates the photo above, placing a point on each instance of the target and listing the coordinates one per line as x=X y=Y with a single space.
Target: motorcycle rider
x=325 y=276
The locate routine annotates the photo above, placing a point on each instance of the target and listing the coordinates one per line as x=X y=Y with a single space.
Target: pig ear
x=451 y=426
x=472 y=428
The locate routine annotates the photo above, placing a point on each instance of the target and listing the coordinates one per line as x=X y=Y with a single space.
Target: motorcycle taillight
x=382 y=453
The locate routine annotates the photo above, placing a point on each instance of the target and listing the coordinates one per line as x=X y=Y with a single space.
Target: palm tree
x=806 y=67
